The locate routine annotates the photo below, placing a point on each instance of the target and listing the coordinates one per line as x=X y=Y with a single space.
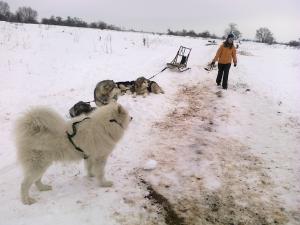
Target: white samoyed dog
x=43 y=137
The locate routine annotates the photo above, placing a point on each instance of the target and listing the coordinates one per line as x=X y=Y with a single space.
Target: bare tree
x=26 y=15
x=4 y=11
x=234 y=30
x=264 y=35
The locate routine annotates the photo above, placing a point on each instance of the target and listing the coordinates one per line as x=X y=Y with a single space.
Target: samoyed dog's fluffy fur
x=42 y=138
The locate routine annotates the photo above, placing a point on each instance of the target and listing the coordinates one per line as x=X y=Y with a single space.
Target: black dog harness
x=70 y=136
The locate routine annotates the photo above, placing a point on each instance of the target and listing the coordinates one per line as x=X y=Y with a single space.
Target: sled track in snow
x=241 y=190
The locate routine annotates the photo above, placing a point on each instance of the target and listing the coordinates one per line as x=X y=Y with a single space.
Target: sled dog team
x=44 y=137
x=108 y=90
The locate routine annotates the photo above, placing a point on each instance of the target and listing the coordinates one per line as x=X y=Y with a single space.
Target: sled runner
x=180 y=60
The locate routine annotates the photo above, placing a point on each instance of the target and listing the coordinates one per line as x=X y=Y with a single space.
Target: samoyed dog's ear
x=120 y=109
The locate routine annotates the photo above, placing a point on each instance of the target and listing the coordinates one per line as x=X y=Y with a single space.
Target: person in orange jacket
x=225 y=55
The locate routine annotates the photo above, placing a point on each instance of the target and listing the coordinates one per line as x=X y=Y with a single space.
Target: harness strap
x=70 y=136
x=158 y=73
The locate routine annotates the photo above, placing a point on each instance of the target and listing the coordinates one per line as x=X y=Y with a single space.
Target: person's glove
x=234 y=65
x=212 y=64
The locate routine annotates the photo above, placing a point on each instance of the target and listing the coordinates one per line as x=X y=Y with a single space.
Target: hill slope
x=223 y=157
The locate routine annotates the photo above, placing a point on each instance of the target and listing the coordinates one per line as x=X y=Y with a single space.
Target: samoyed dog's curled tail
x=39 y=120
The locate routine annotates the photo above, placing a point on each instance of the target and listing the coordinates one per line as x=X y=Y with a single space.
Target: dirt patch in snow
x=171 y=217
x=204 y=177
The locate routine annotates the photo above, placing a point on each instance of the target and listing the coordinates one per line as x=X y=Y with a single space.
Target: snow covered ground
x=195 y=155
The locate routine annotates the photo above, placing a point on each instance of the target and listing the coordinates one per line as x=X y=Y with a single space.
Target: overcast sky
x=282 y=17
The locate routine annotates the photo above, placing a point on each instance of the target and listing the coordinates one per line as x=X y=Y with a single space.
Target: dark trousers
x=223 y=71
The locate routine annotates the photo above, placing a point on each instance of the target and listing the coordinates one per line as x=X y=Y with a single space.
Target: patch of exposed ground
x=206 y=178
x=171 y=217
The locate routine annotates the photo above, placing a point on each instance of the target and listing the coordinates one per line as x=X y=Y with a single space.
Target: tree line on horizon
x=263 y=35
x=29 y=15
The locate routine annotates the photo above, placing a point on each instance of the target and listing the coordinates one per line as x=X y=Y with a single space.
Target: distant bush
x=294 y=44
x=52 y=21
x=246 y=39
x=75 y=22
x=264 y=35
x=99 y=25
x=72 y=22
x=205 y=34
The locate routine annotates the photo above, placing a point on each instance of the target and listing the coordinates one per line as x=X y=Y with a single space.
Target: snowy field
x=217 y=157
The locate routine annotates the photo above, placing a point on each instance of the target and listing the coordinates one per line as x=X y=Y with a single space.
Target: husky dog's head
x=105 y=87
x=105 y=92
x=155 y=88
x=81 y=108
x=141 y=85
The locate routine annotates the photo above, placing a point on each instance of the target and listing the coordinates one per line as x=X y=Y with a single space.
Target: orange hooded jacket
x=225 y=55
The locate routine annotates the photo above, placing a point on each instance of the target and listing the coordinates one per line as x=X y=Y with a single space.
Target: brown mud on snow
x=206 y=178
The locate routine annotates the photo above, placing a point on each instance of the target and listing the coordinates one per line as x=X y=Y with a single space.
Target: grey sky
x=282 y=17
